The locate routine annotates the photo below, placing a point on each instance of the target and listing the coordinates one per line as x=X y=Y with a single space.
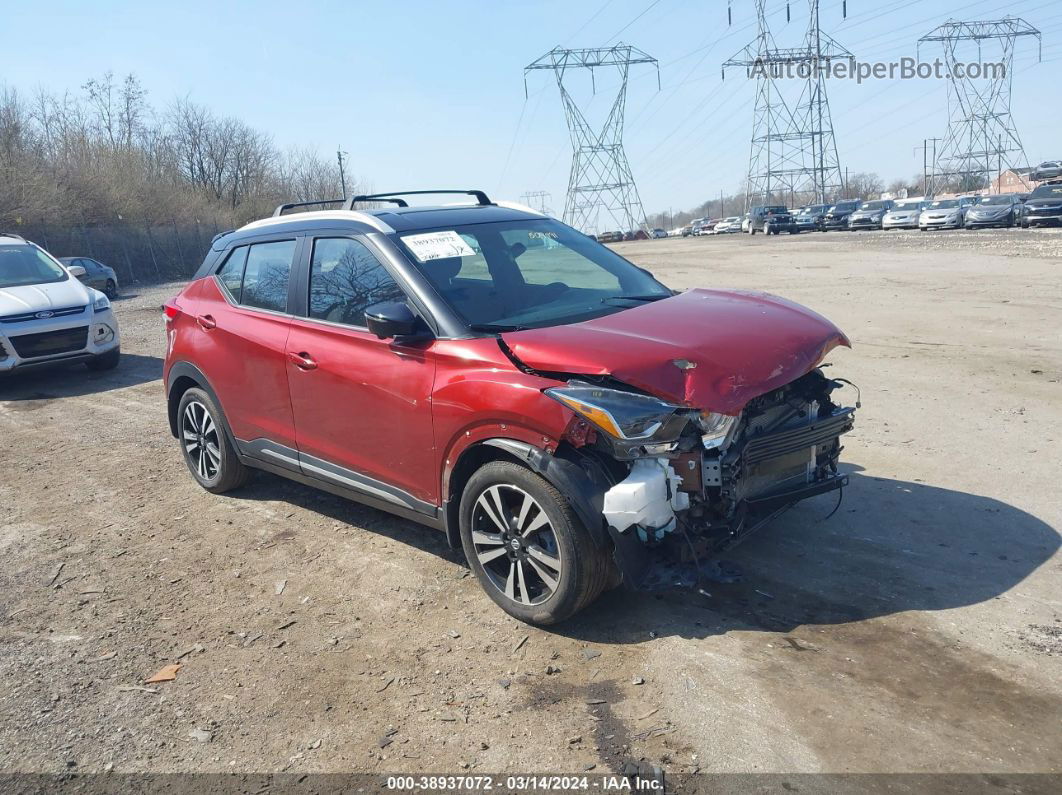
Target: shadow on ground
x=893 y=546
x=72 y=380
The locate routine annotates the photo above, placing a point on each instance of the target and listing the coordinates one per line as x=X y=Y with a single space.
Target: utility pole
x=793 y=146
x=538 y=200
x=600 y=177
x=342 y=172
x=981 y=130
x=925 y=162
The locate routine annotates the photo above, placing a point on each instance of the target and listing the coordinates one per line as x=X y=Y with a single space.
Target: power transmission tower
x=538 y=200
x=794 y=150
x=600 y=179
x=981 y=135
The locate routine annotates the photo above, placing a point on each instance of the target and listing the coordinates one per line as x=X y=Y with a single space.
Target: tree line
x=102 y=172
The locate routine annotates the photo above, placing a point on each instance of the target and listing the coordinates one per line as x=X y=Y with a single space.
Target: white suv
x=47 y=316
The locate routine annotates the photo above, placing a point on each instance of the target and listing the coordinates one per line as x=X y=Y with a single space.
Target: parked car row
x=1042 y=207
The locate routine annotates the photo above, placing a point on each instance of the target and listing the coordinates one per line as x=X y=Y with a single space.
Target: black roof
x=407 y=219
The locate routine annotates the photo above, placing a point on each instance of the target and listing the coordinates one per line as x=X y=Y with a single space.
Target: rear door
x=96 y=276
x=242 y=322
x=361 y=405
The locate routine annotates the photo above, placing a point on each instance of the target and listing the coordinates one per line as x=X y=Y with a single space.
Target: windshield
x=1047 y=191
x=907 y=206
x=814 y=210
x=844 y=207
x=22 y=265
x=994 y=200
x=775 y=210
x=873 y=206
x=527 y=274
x=944 y=204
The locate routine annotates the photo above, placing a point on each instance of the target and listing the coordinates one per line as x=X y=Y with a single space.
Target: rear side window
x=257 y=275
x=265 y=279
x=346 y=279
x=231 y=273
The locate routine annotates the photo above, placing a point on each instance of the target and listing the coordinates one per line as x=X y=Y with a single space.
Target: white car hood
x=41 y=297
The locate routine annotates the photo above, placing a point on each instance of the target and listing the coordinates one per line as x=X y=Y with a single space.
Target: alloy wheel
x=199 y=435
x=516 y=544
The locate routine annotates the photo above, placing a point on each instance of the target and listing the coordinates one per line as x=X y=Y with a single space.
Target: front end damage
x=679 y=485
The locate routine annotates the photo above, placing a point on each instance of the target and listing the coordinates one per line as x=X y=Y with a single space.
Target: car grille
x=23 y=317
x=1045 y=210
x=49 y=343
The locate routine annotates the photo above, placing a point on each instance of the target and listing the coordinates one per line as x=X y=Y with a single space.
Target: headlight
x=715 y=427
x=624 y=415
x=101 y=304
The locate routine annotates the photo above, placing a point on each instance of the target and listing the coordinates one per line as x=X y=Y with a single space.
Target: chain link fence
x=140 y=253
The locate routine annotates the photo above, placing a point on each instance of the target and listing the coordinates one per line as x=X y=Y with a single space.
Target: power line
x=600 y=178
x=793 y=149
x=981 y=134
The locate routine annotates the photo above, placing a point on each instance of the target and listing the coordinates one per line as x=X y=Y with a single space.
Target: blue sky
x=431 y=94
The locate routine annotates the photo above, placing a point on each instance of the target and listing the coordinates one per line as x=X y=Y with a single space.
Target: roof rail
x=481 y=197
x=12 y=234
x=281 y=209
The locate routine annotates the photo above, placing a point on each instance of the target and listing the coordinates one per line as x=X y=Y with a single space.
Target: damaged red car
x=564 y=417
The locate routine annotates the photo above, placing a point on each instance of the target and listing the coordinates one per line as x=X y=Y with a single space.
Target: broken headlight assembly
x=715 y=428
x=629 y=418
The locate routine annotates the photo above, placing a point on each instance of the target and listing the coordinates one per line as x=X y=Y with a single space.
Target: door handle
x=206 y=322
x=302 y=360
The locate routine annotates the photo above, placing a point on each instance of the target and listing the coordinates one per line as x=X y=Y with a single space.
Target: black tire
x=110 y=289
x=205 y=445
x=509 y=563
x=105 y=361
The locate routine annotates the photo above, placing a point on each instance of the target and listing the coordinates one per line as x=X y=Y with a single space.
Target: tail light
x=171 y=310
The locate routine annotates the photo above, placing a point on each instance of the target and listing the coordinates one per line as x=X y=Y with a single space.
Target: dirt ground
x=919 y=629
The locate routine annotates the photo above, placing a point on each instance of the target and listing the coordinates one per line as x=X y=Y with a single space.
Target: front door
x=361 y=404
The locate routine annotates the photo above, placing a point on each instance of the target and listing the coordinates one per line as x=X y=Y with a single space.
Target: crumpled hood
x=39 y=297
x=741 y=345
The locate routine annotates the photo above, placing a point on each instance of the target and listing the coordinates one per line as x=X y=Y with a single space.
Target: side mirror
x=77 y=271
x=391 y=319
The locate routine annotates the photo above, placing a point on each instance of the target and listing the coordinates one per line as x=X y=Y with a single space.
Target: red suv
x=559 y=413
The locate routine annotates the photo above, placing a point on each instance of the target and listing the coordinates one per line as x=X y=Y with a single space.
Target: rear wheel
x=110 y=289
x=528 y=549
x=209 y=454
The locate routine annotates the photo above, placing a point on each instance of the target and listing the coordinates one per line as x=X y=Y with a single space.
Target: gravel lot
x=919 y=629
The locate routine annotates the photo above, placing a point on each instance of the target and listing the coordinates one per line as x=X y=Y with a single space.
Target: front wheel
x=105 y=361
x=209 y=454
x=528 y=549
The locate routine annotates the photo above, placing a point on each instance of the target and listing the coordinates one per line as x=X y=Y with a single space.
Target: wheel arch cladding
x=584 y=488
x=182 y=377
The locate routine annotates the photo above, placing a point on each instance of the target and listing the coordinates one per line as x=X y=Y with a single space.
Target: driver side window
x=346 y=279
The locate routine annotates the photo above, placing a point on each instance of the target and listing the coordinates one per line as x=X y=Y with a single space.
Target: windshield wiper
x=495 y=327
x=654 y=297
